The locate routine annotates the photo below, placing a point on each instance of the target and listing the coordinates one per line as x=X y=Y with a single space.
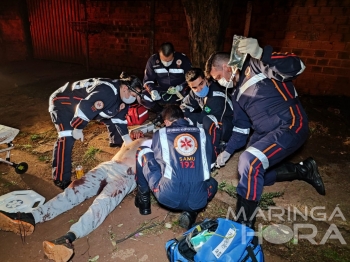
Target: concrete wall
x=317 y=31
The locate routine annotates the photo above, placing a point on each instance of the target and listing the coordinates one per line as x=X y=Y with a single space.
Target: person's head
x=166 y=53
x=171 y=113
x=217 y=68
x=197 y=82
x=130 y=88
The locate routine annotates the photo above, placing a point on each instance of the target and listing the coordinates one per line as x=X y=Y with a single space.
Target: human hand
x=136 y=134
x=222 y=159
x=78 y=134
x=250 y=46
x=155 y=95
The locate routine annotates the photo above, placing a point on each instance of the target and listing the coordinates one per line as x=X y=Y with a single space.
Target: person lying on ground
x=111 y=181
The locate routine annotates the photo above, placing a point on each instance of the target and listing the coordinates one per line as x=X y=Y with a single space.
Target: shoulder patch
x=98 y=105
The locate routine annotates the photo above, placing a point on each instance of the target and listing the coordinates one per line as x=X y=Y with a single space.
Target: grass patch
x=27 y=146
x=265 y=201
x=35 y=137
x=44 y=158
x=90 y=153
x=10 y=183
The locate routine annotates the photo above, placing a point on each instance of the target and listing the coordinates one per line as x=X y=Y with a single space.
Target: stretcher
x=7 y=134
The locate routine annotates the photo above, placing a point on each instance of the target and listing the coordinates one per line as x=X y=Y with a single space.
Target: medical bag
x=137 y=115
x=216 y=240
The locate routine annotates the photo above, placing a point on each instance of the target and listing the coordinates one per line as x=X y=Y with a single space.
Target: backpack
x=137 y=115
x=225 y=240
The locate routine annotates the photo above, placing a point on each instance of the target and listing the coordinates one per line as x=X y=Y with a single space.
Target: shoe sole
x=321 y=191
x=58 y=253
x=18 y=227
x=184 y=222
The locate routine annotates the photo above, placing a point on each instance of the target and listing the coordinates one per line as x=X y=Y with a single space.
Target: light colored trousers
x=112 y=181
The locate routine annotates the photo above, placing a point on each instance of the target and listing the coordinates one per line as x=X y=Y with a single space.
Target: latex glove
x=78 y=134
x=250 y=46
x=179 y=88
x=222 y=158
x=155 y=95
x=127 y=139
x=136 y=134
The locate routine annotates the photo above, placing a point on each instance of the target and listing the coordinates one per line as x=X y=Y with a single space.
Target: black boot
x=306 y=171
x=62 y=184
x=143 y=202
x=245 y=211
x=187 y=219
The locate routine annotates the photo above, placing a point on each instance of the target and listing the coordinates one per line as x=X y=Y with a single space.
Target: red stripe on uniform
x=62 y=156
x=285 y=87
x=282 y=56
x=301 y=119
x=256 y=180
x=57 y=158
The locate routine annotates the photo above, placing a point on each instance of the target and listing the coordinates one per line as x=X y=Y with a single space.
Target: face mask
x=129 y=100
x=203 y=92
x=224 y=83
x=166 y=64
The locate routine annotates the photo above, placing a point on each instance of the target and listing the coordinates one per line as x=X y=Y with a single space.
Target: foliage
x=90 y=153
x=265 y=201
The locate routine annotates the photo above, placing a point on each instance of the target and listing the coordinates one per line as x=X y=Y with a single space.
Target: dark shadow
x=42 y=187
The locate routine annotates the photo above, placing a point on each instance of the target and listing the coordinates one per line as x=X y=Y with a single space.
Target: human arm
x=189 y=103
x=240 y=131
x=149 y=76
x=91 y=106
x=280 y=66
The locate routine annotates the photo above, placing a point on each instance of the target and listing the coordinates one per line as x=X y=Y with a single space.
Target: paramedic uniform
x=216 y=112
x=177 y=167
x=265 y=101
x=159 y=77
x=73 y=106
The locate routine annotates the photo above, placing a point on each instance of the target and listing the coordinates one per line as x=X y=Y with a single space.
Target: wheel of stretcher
x=21 y=168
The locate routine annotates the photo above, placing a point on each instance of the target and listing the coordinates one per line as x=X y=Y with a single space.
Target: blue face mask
x=203 y=92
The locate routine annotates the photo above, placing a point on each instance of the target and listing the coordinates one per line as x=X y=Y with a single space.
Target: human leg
x=252 y=166
x=62 y=152
x=118 y=182
x=147 y=176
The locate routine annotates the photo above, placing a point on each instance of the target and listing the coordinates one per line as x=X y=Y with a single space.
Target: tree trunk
x=207 y=22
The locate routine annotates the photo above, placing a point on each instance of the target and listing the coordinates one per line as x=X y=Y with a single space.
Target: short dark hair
x=172 y=112
x=167 y=49
x=216 y=59
x=193 y=74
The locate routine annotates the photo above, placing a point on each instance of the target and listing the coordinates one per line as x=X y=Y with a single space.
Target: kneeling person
x=208 y=106
x=176 y=168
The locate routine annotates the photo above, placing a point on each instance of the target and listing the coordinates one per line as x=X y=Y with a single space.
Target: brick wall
x=12 y=39
x=316 y=30
x=124 y=44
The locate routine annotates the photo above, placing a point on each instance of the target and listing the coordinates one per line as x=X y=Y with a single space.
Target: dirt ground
x=25 y=88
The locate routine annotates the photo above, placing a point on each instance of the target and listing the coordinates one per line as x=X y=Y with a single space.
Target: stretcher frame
x=7 y=134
